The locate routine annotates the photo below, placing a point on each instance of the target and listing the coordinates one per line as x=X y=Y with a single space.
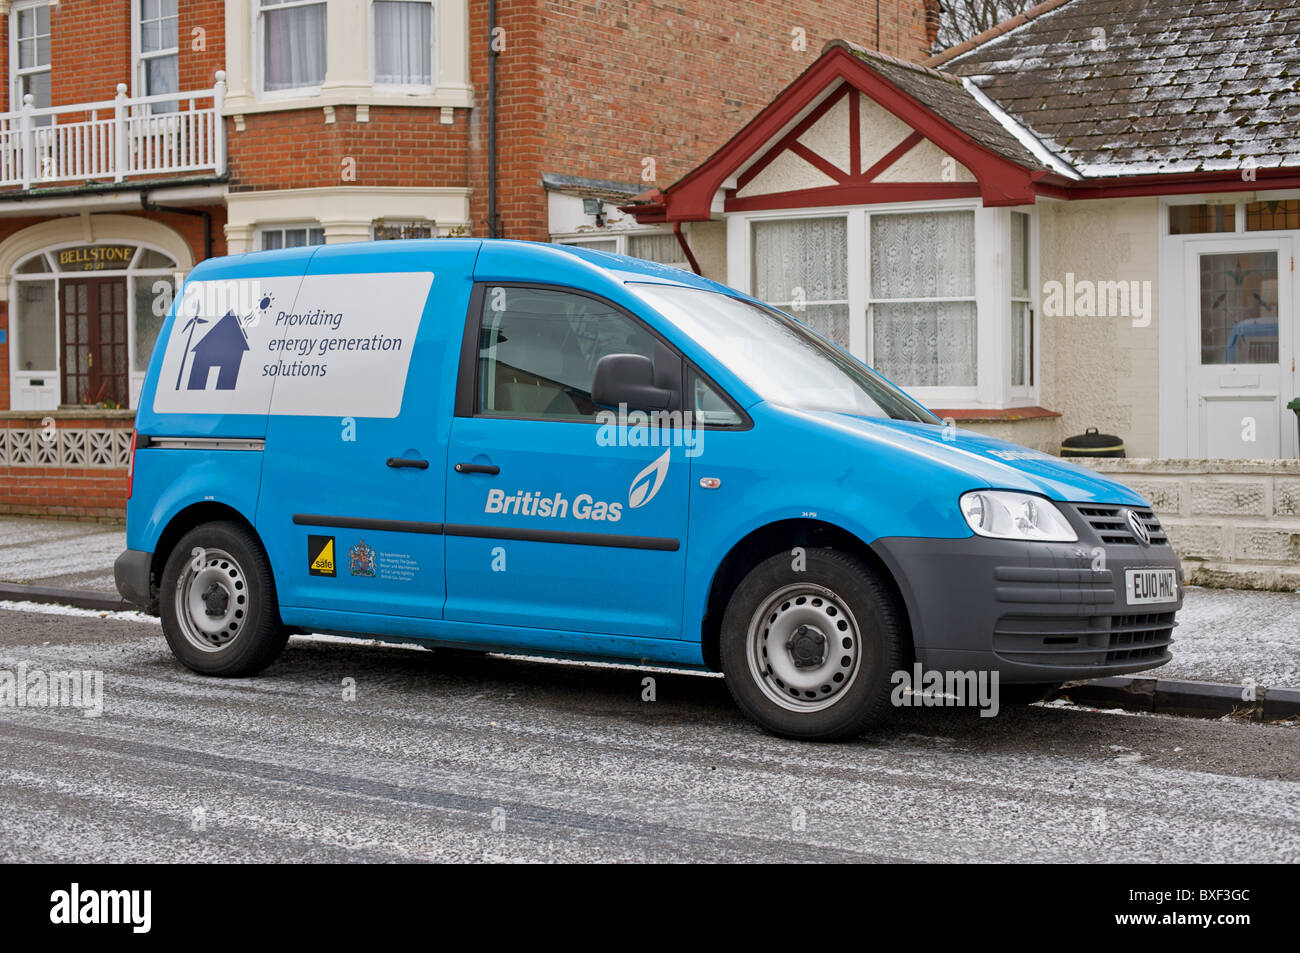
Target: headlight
x=1003 y=514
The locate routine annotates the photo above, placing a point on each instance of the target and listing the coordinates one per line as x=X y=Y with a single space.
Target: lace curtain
x=918 y=256
x=801 y=266
x=403 y=43
x=294 y=45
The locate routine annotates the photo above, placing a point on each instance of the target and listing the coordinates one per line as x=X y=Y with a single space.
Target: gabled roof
x=944 y=95
x=1136 y=87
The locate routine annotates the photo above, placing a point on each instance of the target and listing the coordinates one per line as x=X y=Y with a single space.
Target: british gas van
x=498 y=445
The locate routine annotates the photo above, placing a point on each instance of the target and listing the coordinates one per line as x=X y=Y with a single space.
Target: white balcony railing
x=114 y=139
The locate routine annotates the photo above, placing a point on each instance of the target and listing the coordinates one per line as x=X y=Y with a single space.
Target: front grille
x=1110 y=523
x=1088 y=642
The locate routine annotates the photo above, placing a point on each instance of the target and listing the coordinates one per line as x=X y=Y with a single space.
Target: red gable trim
x=1000 y=181
x=855 y=193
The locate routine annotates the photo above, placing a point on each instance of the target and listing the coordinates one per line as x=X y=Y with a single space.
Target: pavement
x=1224 y=635
x=351 y=751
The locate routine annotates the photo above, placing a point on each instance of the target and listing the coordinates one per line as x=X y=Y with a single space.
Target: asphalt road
x=450 y=758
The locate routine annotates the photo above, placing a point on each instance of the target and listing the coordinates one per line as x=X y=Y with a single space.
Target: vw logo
x=1140 y=531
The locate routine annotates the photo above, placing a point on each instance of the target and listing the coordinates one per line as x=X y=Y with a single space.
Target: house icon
x=222 y=347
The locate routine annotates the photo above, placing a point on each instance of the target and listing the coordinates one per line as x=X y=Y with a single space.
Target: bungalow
x=1086 y=217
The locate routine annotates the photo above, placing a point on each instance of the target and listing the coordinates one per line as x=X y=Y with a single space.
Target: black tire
x=235 y=630
x=828 y=698
x=1023 y=694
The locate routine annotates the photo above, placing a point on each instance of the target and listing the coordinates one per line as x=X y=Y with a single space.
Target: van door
x=355 y=462
x=555 y=520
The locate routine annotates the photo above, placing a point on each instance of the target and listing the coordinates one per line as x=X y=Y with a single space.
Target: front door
x=1242 y=354
x=94 y=330
x=553 y=520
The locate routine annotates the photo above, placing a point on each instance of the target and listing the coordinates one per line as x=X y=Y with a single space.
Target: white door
x=1241 y=348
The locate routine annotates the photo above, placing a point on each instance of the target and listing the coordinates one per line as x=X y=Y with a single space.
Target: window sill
x=1010 y=415
x=459 y=97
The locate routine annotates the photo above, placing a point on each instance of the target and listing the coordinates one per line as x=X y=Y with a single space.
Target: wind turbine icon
x=189 y=326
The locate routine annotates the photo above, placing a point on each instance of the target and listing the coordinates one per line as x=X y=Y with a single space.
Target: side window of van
x=538 y=350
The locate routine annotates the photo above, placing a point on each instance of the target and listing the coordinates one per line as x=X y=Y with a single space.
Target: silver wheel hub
x=212 y=600
x=804 y=647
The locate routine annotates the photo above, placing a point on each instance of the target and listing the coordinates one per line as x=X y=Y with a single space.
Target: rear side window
x=538 y=350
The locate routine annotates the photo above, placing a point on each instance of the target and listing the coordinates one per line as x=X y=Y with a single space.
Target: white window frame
x=16 y=73
x=1033 y=343
x=269 y=227
x=140 y=59
x=992 y=390
x=372 y=35
x=620 y=239
x=259 y=50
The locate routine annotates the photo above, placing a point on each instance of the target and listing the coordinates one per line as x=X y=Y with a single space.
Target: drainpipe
x=492 y=121
x=206 y=216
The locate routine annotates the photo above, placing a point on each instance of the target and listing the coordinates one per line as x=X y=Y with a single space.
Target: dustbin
x=1090 y=443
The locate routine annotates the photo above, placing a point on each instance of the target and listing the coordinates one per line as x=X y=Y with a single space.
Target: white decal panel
x=324 y=345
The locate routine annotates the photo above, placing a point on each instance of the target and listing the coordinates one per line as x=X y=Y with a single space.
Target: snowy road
x=447 y=758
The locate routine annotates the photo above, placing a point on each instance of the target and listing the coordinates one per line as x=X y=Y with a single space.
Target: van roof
x=622 y=268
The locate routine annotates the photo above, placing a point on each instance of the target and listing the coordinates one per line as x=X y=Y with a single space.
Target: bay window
x=293 y=43
x=403 y=48
x=938 y=297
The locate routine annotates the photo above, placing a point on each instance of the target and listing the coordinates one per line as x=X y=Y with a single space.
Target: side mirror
x=628 y=379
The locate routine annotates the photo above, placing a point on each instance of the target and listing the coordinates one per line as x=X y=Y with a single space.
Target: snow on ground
x=1223 y=635
x=60 y=553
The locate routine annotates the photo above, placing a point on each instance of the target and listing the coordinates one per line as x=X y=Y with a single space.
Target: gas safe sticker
x=325 y=345
x=320 y=556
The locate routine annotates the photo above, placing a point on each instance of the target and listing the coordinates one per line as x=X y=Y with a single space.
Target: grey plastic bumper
x=1033 y=612
x=133 y=575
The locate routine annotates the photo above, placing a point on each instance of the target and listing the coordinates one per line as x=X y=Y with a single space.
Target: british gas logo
x=645 y=486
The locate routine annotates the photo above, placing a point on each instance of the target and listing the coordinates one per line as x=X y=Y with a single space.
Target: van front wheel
x=218 y=602
x=809 y=644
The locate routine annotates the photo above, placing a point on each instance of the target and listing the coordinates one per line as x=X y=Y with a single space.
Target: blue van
x=497 y=445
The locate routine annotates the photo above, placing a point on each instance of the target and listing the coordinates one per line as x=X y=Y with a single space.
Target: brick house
x=139 y=136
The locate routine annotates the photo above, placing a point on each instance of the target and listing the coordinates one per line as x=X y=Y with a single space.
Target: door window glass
x=538 y=350
x=1239 y=315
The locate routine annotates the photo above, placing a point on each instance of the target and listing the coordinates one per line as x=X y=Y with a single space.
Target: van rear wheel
x=218 y=603
x=809 y=645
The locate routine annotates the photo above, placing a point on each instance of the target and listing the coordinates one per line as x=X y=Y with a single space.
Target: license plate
x=1147 y=586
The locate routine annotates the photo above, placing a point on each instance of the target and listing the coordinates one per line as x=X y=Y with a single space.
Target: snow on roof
x=1137 y=87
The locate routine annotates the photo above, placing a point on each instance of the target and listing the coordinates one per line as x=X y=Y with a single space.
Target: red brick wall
x=591 y=88
x=198 y=68
x=90 y=49
x=87 y=492
x=399 y=146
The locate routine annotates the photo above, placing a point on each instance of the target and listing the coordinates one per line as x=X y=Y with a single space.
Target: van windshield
x=782 y=360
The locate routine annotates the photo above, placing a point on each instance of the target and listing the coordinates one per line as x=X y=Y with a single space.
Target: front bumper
x=133 y=575
x=1037 y=612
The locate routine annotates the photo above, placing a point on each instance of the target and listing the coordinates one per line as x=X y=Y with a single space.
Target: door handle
x=489 y=468
x=403 y=462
